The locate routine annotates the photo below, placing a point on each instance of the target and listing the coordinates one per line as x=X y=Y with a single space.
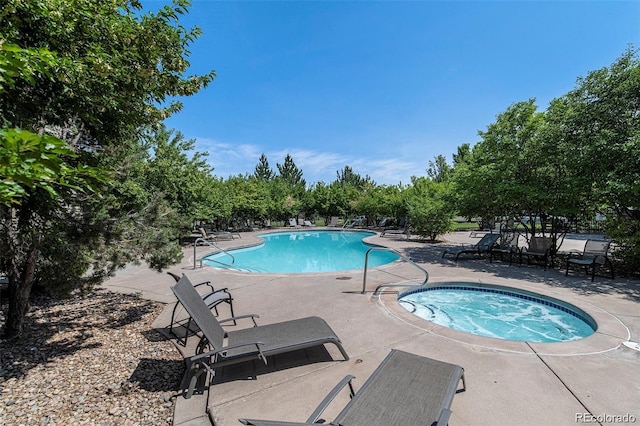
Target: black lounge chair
x=212 y=298
x=594 y=256
x=485 y=245
x=539 y=249
x=405 y=389
x=257 y=342
x=215 y=236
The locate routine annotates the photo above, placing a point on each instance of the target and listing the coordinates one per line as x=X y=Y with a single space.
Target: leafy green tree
x=598 y=126
x=428 y=208
x=251 y=200
x=510 y=172
x=439 y=170
x=462 y=154
x=91 y=74
x=182 y=181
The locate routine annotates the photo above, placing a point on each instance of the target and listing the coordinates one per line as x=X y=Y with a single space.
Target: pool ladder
x=406 y=259
x=209 y=243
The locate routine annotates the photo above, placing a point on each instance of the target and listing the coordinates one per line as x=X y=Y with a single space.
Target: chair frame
x=258 y=342
x=485 y=245
x=593 y=257
x=407 y=375
x=542 y=252
x=508 y=245
x=221 y=295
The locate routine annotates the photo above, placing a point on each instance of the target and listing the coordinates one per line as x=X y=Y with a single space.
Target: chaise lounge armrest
x=252 y=316
x=316 y=413
x=207 y=355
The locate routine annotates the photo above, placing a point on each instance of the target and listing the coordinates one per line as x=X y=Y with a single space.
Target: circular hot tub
x=499 y=312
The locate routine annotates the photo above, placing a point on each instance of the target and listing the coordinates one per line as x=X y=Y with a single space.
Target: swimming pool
x=304 y=252
x=499 y=312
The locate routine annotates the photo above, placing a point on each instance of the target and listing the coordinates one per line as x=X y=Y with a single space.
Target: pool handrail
x=407 y=259
x=211 y=244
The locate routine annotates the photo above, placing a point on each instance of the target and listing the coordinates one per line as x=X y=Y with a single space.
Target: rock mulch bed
x=91 y=360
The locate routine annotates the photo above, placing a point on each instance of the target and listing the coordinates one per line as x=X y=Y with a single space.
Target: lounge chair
x=539 y=249
x=485 y=245
x=403 y=229
x=257 y=342
x=594 y=256
x=218 y=235
x=405 y=389
x=212 y=298
x=508 y=246
x=293 y=223
x=308 y=223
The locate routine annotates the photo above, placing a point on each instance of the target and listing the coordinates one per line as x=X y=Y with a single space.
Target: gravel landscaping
x=91 y=360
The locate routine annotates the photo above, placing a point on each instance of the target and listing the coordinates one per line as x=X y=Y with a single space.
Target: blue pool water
x=304 y=252
x=499 y=312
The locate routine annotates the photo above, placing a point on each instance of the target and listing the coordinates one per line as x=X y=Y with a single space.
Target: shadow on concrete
x=250 y=370
x=553 y=276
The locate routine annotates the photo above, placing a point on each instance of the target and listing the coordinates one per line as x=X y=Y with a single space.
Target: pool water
x=500 y=312
x=304 y=252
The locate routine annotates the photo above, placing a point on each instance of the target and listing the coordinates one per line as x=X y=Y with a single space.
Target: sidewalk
x=507 y=382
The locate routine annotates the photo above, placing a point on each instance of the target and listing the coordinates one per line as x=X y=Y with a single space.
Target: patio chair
x=405 y=389
x=212 y=298
x=539 y=249
x=404 y=228
x=594 y=256
x=485 y=245
x=292 y=222
x=253 y=343
x=218 y=235
x=508 y=245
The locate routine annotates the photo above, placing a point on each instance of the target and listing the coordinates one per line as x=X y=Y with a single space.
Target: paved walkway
x=507 y=382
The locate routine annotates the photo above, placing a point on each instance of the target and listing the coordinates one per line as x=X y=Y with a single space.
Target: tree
x=510 y=172
x=439 y=170
x=91 y=75
x=289 y=173
x=462 y=154
x=263 y=170
x=429 y=210
x=347 y=176
x=598 y=126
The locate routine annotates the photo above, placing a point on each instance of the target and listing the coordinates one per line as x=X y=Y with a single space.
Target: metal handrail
x=366 y=266
x=200 y=239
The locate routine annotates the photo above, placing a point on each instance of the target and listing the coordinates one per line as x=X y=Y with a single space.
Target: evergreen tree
x=290 y=173
x=263 y=170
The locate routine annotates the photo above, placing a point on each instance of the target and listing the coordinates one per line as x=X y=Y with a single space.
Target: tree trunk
x=20 y=283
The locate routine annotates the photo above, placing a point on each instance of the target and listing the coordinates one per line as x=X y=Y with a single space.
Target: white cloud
x=230 y=159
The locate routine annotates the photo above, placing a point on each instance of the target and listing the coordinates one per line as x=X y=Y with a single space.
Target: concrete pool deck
x=507 y=382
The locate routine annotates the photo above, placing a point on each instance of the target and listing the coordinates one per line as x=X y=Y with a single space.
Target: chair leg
x=230 y=302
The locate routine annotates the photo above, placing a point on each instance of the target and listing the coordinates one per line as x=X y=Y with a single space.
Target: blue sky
x=382 y=87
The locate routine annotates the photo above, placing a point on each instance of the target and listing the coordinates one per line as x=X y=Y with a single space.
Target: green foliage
x=428 y=208
x=116 y=70
x=17 y=63
x=29 y=162
x=93 y=74
x=290 y=174
x=263 y=170
x=439 y=170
